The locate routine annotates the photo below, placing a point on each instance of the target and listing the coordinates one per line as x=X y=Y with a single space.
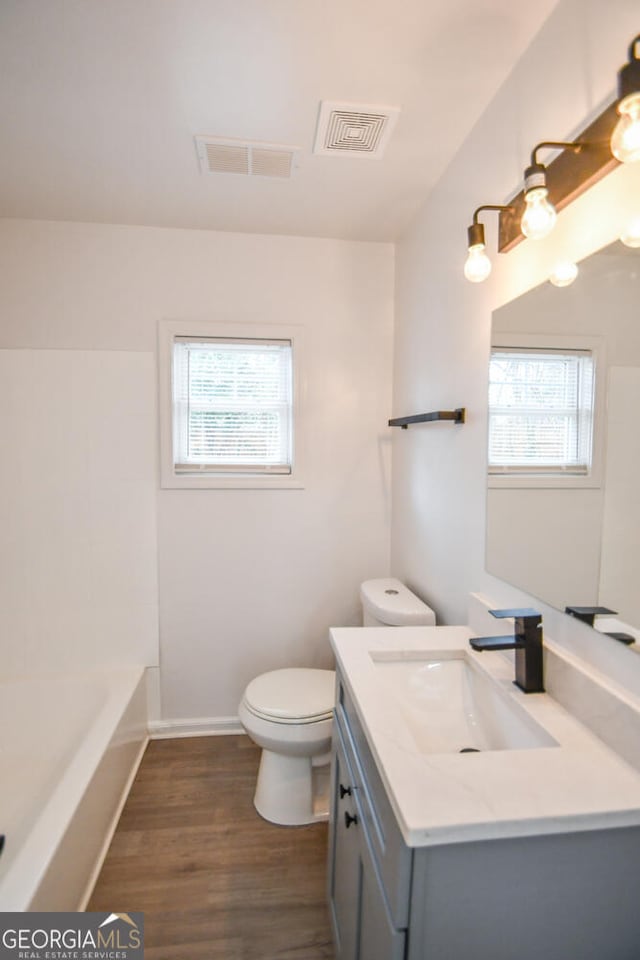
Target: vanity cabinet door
x=379 y=940
x=362 y=925
x=345 y=866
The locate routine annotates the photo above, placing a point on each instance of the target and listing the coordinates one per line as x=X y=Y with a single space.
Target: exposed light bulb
x=539 y=217
x=625 y=139
x=631 y=235
x=477 y=265
x=563 y=274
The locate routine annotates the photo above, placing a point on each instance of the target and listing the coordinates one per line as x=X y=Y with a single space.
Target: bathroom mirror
x=574 y=540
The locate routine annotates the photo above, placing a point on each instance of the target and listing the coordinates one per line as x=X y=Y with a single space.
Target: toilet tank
x=388 y=603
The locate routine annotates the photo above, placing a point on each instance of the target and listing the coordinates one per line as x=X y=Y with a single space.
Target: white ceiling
x=100 y=101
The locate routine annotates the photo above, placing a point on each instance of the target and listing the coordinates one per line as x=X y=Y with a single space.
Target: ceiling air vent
x=360 y=130
x=218 y=155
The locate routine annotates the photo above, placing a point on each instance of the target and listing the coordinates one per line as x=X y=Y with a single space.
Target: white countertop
x=439 y=798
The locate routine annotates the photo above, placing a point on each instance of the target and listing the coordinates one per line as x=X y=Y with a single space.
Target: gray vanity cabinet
x=558 y=896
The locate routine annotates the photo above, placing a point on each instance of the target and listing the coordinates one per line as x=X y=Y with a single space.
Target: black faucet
x=527 y=644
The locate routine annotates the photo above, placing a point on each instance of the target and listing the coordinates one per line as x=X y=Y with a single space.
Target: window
x=541 y=411
x=229 y=404
x=232 y=405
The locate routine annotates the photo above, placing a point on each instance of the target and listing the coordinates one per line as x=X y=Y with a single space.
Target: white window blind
x=540 y=411
x=232 y=405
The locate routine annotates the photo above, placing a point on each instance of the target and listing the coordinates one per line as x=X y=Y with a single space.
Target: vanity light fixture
x=478 y=265
x=539 y=217
x=563 y=274
x=625 y=139
x=612 y=138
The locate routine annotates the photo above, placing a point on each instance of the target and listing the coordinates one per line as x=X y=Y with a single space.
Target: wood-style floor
x=213 y=879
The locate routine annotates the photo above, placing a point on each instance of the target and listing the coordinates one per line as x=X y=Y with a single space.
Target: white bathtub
x=69 y=748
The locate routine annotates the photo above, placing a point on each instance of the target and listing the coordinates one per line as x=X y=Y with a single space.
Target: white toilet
x=289 y=714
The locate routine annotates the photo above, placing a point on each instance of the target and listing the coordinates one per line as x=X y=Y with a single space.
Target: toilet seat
x=294 y=695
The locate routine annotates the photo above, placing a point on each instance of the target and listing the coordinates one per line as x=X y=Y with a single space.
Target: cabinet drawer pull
x=344 y=792
x=349 y=819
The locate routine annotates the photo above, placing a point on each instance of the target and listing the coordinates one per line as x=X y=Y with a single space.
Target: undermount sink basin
x=449 y=705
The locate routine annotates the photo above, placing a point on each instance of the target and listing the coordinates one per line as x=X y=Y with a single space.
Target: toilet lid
x=292 y=694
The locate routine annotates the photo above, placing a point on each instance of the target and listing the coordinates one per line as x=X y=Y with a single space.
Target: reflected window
x=541 y=412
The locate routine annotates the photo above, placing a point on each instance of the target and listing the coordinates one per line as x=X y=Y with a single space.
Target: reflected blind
x=232 y=405
x=540 y=411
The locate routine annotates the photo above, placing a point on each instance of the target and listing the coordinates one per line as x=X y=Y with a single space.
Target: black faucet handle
x=494 y=643
x=621 y=637
x=519 y=613
x=588 y=614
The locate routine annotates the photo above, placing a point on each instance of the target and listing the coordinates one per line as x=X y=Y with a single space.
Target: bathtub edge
x=78 y=857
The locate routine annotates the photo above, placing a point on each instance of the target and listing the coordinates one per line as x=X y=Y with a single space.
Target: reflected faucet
x=588 y=615
x=527 y=643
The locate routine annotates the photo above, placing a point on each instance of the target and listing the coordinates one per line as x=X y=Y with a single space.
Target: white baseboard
x=194 y=727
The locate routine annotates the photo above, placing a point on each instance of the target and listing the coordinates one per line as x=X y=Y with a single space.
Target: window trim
x=568 y=343
x=172 y=477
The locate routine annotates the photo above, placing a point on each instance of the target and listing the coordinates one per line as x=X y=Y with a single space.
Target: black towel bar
x=457 y=416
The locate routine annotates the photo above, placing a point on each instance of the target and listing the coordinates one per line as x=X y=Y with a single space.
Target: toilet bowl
x=289 y=714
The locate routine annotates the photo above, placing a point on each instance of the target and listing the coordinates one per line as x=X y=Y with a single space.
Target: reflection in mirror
x=573 y=539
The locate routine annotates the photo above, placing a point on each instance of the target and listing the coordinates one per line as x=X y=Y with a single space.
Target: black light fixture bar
x=457 y=416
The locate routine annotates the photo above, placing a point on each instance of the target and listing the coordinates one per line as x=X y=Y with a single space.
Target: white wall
x=248 y=580
x=443 y=322
x=78 y=578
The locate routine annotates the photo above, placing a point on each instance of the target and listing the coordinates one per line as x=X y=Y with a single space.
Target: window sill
x=558 y=482
x=186 y=481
